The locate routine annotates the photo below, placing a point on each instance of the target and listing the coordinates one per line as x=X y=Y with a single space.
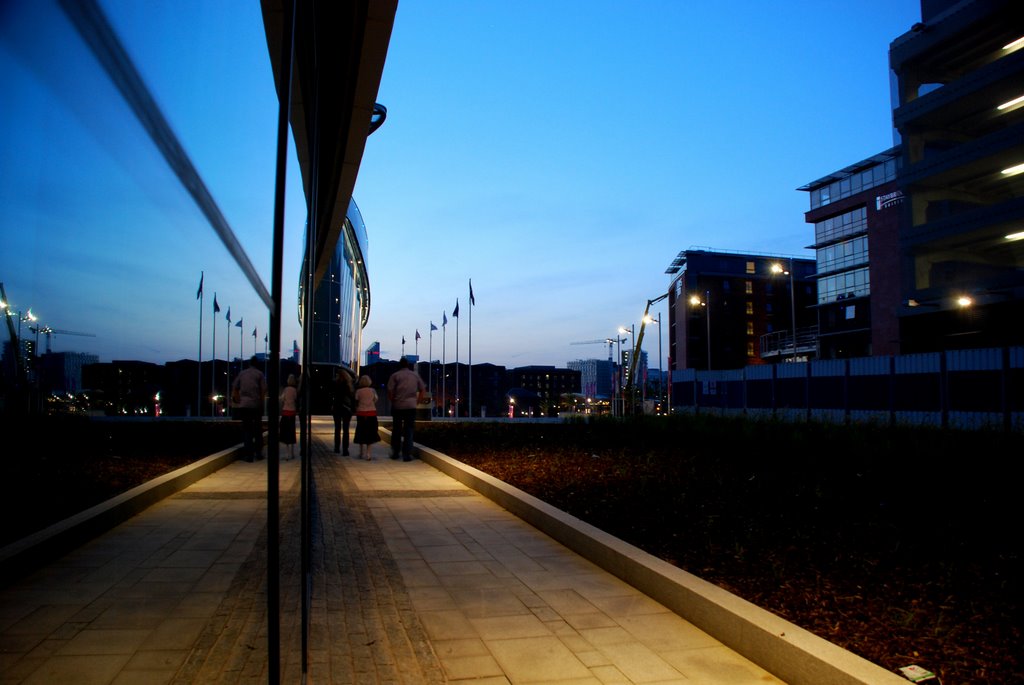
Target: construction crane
x=608 y=341
x=636 y=347
x=48 y=332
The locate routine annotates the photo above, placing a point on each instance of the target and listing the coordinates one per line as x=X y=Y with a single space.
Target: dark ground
x=899 y=545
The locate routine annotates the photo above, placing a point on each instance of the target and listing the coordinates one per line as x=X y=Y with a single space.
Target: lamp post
x=777 y=269
x=661 y=378
x=696 y=301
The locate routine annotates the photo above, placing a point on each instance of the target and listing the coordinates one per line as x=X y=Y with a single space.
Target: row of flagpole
x=444 y=360
x=213 y=356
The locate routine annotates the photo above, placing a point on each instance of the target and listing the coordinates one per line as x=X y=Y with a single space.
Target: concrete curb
x=30 y=552
x=791 y=653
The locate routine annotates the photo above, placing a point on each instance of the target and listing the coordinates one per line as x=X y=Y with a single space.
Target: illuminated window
x=750 y=328
x=749 y=287
x=750 y=349
x=750 y=267
x=750 y=307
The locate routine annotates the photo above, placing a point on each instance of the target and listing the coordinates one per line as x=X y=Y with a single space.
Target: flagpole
x=444 y=364
x=430 y=366
x=227 y=385
x=457 y=398
x=469 y=405
x=213 y=358
x=199 y=377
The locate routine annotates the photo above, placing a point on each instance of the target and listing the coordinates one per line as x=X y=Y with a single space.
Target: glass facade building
x=341 y=303
x=856 y=216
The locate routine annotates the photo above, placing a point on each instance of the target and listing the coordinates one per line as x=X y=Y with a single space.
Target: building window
x=856 y=283
x=749 y=287
x=750 y=328
x=750 y=349
x=841 y=225
x=750 y=307
x=854 y=183
x=844 y=255
x=751 y=268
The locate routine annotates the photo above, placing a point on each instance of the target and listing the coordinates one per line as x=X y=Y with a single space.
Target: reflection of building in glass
x=341 y=305
x=372 y=354
x=856 y=214
x=728 y=310
x=62 y=371
x=959 y=111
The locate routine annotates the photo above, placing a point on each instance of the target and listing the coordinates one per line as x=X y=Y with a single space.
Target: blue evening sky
x=559 y=153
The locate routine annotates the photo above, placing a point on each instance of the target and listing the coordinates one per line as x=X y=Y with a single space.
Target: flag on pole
x=455 y=312
x=403 y=339
x=228 y=317
x=472 y=300
x=417 y=334
x=432 y=326
x=254 y=333
x=239 y=324
x=199 y=293
x=444 y=319
x=216 y=307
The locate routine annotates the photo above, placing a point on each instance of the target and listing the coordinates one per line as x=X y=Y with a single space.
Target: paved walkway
x=417 y=579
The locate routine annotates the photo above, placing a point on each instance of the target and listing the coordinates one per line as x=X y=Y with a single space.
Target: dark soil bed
x=896 y=544
x=66 y=465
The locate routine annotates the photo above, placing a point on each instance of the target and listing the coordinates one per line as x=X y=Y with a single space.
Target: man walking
x=405 y=390
x=249 y=391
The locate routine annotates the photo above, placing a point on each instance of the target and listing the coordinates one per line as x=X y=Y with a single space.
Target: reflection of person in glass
x=342 y=402
x=249 y=390
x=366 y=418
x=289 y=408
x=405 y=390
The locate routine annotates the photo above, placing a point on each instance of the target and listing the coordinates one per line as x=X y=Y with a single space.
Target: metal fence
x=969 y=389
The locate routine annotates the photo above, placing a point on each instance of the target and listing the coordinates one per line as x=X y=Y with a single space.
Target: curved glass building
x=341 y=302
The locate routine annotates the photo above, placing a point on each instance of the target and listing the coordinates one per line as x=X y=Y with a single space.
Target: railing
x=781 y=343
x=968 y=389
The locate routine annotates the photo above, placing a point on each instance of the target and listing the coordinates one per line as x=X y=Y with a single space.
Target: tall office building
x=856 y=213
x=959 y=77
x=597 y=377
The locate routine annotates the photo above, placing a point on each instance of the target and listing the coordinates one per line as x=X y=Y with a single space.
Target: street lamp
x=696 y=301
x=777 y=269
x=661 y=372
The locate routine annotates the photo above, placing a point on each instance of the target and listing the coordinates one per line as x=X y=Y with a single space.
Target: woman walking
x=366 y=418
x=289 y=408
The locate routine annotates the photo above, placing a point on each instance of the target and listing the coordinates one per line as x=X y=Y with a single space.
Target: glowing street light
x=706 y=303
x=777 y=269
